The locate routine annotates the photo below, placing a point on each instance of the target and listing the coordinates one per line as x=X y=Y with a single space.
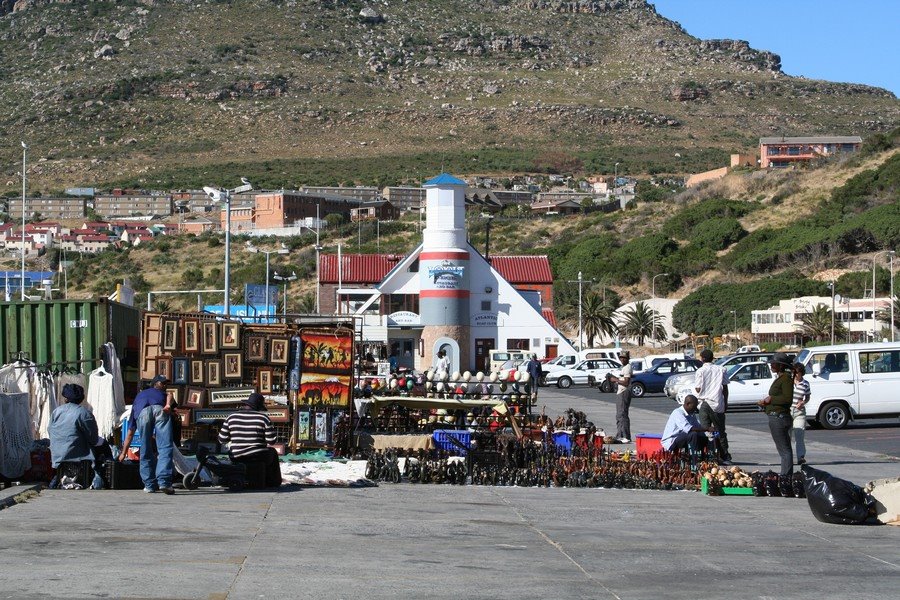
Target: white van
x=498 y=357
x=852 y=381
x=567 y=361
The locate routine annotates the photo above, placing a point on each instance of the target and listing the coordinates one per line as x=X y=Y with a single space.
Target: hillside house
x=781 y=152
x=405 y=198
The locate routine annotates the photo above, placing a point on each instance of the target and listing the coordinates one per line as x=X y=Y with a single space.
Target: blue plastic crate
x=442 y=440
x=563 y=439
x=136 y=440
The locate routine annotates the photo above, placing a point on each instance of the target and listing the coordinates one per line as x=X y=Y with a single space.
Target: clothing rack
x=54 y=364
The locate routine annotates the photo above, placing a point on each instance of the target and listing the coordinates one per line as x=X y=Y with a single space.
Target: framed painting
x=303 y=429
x=213 y=372
x=230 y=336
x=278 y=352
x=209 y=337
x=233 y=366
x=321 y=428
x=176 y=394
x=180 y=375
x=190 y=335
x=195 y=397
x=264 y=380
x=197 y=375
x=170 y=335
x=164 y=366
x=256 y=348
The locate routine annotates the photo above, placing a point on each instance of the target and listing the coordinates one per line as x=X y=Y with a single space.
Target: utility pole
x=22 y=280
x=831 y=286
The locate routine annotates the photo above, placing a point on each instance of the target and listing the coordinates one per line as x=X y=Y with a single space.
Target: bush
x=690 y=217
x=717 y=234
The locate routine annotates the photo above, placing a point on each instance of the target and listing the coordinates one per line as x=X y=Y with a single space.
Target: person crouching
x=249 y=433
x=683 y=430
x=73 y=429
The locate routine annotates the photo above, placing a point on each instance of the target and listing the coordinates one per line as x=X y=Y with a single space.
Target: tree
x=640 y=321
x=816 y=325
x=307 y=304
x=597 y=318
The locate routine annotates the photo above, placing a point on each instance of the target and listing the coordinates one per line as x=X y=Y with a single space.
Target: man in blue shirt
x=73 y=429
x=151 y=415
x=684 y=430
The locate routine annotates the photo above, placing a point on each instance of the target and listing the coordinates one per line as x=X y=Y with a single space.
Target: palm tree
x=640 y=321
x=307 y=304
x=597 y=318
x=816 y=325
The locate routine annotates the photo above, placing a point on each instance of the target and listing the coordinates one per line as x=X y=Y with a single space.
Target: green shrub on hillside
x=708 y=309
x=684 y=222
x=717 y=234
x=854 y=284
x=862 y=191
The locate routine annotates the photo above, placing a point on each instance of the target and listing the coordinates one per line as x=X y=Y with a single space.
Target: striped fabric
x=248 y=432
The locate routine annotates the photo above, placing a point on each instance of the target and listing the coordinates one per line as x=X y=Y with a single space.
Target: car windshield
x=803 y=356
x=733 y=368
x=721 y=360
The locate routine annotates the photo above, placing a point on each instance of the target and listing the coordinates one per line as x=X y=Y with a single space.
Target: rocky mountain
x=170 y=92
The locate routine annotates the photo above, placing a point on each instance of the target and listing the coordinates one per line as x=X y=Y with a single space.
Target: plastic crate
x=442 y=440
x=648 y=444
x=563 y=439
x=136 y=440
x=727 y=491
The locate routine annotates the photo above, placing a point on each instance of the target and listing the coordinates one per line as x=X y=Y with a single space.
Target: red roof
x=372 y=268
x=357 y=268
x=549 y=316
x=523 y=269
x=95 y=238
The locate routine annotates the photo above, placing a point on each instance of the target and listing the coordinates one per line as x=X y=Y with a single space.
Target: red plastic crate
x=648 y=444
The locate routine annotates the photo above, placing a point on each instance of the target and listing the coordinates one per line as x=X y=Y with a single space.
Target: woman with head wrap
x=73 y=430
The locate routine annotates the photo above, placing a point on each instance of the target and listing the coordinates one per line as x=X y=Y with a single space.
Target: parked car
x=748 y=383
x=852 y=381
x=654 y=379
x=676 y=382
x=566 y=361
x=587 y=372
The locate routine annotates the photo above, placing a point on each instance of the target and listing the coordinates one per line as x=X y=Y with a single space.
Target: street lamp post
x=286 y=279
x=734 y=316
x=615 y=180
x=653 y=294
x=224 y=195
x=580 y=329
x=831 y=287
x=22 y=280
x=891 y=254
x=874 y=320
x=318 y=250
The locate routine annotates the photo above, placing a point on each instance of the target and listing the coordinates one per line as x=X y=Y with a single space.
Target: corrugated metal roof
x=549 y=316
x=820 y=139
x=372 y=268
x=523 y=269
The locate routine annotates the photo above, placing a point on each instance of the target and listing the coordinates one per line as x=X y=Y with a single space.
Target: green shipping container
x=61 y=334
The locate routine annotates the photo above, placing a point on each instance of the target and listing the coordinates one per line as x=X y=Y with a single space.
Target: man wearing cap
x=73 y=429
x=249 y=433
x=151 y=414
x=623 y=398
x=711 y=385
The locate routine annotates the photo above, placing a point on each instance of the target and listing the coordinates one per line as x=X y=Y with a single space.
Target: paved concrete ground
x=411 y=541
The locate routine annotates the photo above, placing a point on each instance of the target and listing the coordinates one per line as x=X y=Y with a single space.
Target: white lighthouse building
x=465 y=306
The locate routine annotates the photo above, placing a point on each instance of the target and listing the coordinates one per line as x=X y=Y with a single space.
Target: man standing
x=683 y=430
x=623 y=398
x=711 y=385
x=535 y=374
x=73 y=429
x=151 y=414
x=249 y=433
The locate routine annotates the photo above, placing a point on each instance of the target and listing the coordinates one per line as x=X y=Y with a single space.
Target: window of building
x=517 y=344
x=880 y=362
x=794 y=151
x=485 y=305
x=848 y=147
x=414 y=267
x=398 y=302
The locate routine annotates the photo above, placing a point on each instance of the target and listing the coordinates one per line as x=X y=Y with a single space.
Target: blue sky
x=838 y=40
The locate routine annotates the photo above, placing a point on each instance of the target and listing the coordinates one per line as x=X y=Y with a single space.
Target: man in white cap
x=623 y=398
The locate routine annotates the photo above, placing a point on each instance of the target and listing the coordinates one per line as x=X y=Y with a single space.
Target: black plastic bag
x=834 y=500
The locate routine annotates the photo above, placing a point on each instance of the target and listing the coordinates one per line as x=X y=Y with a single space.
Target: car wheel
x=637 y=390
x=564 y=382
x=605 y=386
x=834 y=415
x=543 y=381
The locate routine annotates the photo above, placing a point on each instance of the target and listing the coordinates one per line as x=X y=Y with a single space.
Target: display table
x=406 y=442
x=365 y=406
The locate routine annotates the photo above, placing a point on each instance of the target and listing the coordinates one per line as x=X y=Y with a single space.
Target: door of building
x=550 y=350
x=483 y=347
x=402 y=348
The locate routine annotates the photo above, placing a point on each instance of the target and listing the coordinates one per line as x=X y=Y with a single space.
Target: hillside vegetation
x=166 y=93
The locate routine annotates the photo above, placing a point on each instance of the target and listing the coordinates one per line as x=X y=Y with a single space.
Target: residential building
x=360 y=193
x=405 y=198
x=50 y=208
x=781 y=152
x=557 y=207
x=197 y=224
x=283 y=208
x=126 y=205
x=744 y=160
x=380 y=210
x=782 y=323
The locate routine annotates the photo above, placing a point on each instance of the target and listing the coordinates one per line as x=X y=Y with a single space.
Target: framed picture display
x=170 y=335
x=195 y=397
x=337 y=414
x=233 y=366
x=278 y=351
x=264 y=380
x=303 y=429
x=209 y=337
x=320 y=434
x=256 y=348
x=231 y=336
x=176 y=394
x=197 y=374
x=190 y=335
x=164 y=366
x=213 y=372
x=180 y=375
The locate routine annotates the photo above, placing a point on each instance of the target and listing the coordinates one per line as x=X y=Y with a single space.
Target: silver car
x=587 y=372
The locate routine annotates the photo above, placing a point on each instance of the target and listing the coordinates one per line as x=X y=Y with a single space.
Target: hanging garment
x=16 y=435
x=114 y=366
x=45 y=394
x=101 y=398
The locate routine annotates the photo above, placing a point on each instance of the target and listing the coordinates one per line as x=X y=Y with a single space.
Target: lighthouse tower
x=444 y=272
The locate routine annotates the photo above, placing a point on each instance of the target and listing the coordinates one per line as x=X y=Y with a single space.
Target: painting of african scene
x=327 y=353
x=324 y=390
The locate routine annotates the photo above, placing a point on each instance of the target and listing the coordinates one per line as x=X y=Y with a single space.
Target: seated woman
x=249 y=433
x=73 y=429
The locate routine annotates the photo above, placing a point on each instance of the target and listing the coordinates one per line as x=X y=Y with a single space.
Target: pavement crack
x=553 y=543
x=243 y=563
